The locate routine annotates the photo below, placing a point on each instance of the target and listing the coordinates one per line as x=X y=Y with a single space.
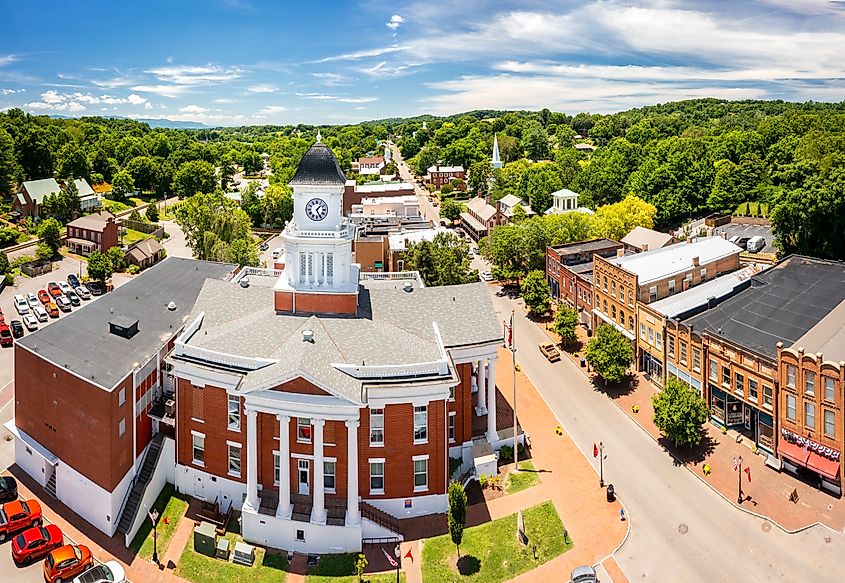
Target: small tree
x=99 y=266
x=447 y=189
x=135 y=216
x=566 y=321
x=50 y=232
x=360 y=565
x=679 y=412
x=121 y=185
x=117 y=258
x=43 y=251
x=536 y=293
x=457 y=514
x=152 y=212
x=610 y=354
x=451 y=209
x=4 y=263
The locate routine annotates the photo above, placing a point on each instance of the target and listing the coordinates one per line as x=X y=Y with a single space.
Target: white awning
x=30 y=442
x=602 y=316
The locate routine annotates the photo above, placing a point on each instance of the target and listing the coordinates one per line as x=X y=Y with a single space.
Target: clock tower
x=319 y=276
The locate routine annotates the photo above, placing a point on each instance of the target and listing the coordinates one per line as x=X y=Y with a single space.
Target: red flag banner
x=748 y=471
x=595 y=450
x=408 y=555
x=390 y=559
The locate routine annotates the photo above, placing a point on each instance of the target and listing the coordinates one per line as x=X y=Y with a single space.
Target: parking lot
x=765 y=231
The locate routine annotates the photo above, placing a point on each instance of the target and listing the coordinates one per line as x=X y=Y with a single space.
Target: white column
x=252 y=459
x=482 y=377
x=353 y=514
x=284 y=509
x=325 y=270
x=318 y=509
x=491 y=399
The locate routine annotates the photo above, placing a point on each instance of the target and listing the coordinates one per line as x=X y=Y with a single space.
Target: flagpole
x=513 y=363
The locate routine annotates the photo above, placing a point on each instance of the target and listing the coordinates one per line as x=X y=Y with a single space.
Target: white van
x=277 y=252
x=756 y=244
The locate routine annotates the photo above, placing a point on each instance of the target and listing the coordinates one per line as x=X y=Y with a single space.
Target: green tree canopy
x=566 y=323
x=122 y=185
x=216 y=229
x=457 y=514
x=536 y=293
x=609 y=353
x=451 y=209
x=50 y=232
x=152 y=211
x=193 y=177
x=99 y=266
x=443 y=261
x=614 y=221
x=679 y=412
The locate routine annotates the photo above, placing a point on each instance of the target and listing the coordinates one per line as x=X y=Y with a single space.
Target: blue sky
x=226 y=62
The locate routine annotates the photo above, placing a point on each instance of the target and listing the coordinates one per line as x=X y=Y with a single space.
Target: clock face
x=316 y=209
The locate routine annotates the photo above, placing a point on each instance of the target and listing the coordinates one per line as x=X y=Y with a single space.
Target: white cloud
x=271 y=109
x=148 y=105
x=193 y=109
x=72 y=106
x=365 y=54
x=135 y=99
x=163 y=90
x=265 y=88
x=11 y=91
x=339 y=99
x=7 y=60
x=317 y=96
x=330 y=79
x=394 y=22
x=194 y=75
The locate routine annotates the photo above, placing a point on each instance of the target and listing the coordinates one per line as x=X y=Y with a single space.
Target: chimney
x=620 y=252
x=695 y=261
x=645 y=247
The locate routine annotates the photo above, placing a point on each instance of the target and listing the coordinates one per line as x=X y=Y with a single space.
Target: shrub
x=447 y=189
x=133 y=269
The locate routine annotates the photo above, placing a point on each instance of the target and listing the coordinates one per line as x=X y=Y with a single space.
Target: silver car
x=40 y=313
x=585 y=574
x=30 y=322
x=32 y=300
x=82 y=292
x=20 y=305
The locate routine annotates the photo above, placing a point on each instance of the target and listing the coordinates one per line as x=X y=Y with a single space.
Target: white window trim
x=370 y=436
x=326 y=488
x=420 y=458
x=122 y=423
x=420 y=441
x=240 y=413
x=195 y=461
x=276 y=456
x=308 y=425
x=370 y=462
x=228 y=458
x=452 y=415
x=195 y=420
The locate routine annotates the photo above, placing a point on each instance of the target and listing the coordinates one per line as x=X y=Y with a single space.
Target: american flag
x=736 y=464
x=390 y=559
x=509 y=333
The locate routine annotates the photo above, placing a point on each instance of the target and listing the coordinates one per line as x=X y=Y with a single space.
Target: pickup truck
x=550 y=351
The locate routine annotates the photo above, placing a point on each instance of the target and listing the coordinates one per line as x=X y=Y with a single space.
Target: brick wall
x=315 y=303
x=368 y=252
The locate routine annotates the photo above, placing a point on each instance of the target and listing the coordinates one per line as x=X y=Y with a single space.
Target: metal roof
x=38 y=189
x=640 y=236
x=661 y=263
x=318 y=167
x=682 y=304
x=782 y=304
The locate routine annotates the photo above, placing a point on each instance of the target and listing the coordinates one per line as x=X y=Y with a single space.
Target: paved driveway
x=751 y=231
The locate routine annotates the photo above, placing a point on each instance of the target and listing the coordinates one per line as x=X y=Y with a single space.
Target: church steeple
x=497 y=162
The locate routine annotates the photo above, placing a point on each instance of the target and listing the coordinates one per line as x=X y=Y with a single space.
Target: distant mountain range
x=153 y=122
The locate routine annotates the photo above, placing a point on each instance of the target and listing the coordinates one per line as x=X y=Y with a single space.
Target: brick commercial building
x=621 y=282
x=354 y=193
x=322 y=404
x=98 y=231
x=480 y=218
x=569 y=271
x=28 y=201
x=641 y=239
x=441 y=175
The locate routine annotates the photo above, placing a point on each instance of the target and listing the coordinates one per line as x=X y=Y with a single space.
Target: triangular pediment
x=301 y=386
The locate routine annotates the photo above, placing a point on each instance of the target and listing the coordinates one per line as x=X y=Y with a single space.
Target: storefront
x=806 y=458
x=652 y=366
x=730 y=412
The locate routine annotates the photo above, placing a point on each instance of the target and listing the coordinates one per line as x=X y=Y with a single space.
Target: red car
x=6 y=338
x=34 y=543
x=54 y=289
x=44 y=296
x=18 y=515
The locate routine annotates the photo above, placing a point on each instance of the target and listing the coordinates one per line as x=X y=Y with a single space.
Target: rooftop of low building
x=661 y=263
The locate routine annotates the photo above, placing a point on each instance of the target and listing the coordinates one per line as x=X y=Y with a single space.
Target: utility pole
x=513 y=366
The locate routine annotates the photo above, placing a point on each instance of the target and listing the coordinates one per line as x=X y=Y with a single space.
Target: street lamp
x=154 y=519
x=398 y=552
x=739 y=480
x=601 y=465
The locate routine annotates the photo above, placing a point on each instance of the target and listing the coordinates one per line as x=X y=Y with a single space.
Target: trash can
x=611 y=494
x=583 y=362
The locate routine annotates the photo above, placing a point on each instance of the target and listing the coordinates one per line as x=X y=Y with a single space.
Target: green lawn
x=337 y=569
x=519 y=481
x=132 y=236
x=268 y=567
x=173 y=507
x=491 y=553
x=115 y=206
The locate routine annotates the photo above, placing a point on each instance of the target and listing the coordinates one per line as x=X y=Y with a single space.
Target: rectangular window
x=683 y=347
x=829 y=423
x=234 y=412
x=121 y=397
x=234 y=459
x=303 y=429
x=790 y=407
x=197 y=403
x=671 y=286
x=809 y=382
x=198 y=448
x=696 y=359
x=739 y=384
x=670 y=345
x=452 y=427
x=642 y=330
x=452 y=393
x=704 y=274
x=651 y=336
x=652 y=293
x=659 y=338
x=613 y=289
x=829 y=393
x=275 y=468
x=330 y=266
x=790 y=376
x=605 y=284
x=376 y=426
x=420 y=475
x=329 y=476
x=377 y=477
x=726 y=376
x=630 y=299
x=752 y=390
x=714 y=370
x=421 y=424
x=121 y=428
x=767 y=397
x=810 y=415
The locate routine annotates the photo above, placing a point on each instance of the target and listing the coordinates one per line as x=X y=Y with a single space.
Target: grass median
x=169 y=504
x=341 y=569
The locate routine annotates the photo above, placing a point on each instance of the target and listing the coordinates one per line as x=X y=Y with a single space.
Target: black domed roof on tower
x=318 y=167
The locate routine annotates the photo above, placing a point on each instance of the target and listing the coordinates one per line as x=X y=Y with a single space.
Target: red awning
x=823 y=466
x=794 y=452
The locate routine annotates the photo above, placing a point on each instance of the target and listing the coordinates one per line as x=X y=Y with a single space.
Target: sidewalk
x=768 y=492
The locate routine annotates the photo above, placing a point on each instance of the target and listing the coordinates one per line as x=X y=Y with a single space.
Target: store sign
x=734 y=413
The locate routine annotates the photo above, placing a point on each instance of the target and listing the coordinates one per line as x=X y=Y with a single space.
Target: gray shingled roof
x=81 y=341
x=318 y=167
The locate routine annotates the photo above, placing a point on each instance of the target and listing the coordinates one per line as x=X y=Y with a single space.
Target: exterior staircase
x=139 y=484
x=50 y=486
x=380 y=517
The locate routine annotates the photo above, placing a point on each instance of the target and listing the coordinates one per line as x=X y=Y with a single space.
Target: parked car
x=73 y=280
x=8 y=489
x=34 y=543
x=31 y=322
x=18 y=515
x=32 y=300
x=74 y=299
x=65 y=287
x=66 y=562
x=52 y=309
x=5 y=335
x=63 y=303
x=44 y=296
x=486 y=276
x=756 y=244
x=54 y=289
x=585 y=574
x=17 y=328
x=550 y=351
x=20 y=304
x=40 y=313
x=739 y=241
x=264 y=246
x=111 y=572
x=96 y=288
x=82 y=292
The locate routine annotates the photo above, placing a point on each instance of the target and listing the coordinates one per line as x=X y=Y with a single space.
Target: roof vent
x=244 y=282
x=171 y=306
x=308 y=336
x=408 y=287
x=123 y=326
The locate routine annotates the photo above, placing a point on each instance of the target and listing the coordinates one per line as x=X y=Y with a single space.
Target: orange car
x=67 y=562
x=52 y=309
